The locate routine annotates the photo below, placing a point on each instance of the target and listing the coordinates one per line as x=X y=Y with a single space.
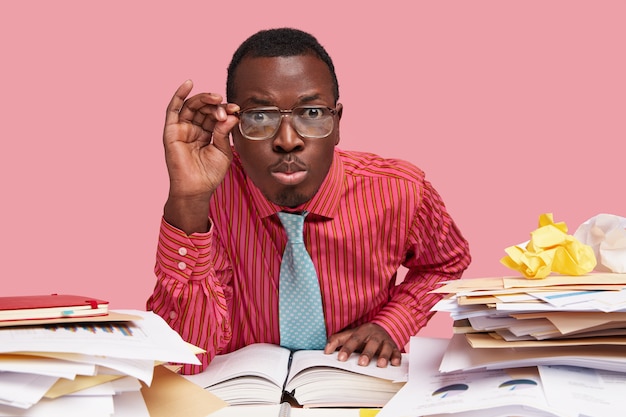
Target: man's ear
x=339 y=108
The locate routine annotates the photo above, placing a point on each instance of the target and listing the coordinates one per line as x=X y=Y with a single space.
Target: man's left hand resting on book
x=371 y=340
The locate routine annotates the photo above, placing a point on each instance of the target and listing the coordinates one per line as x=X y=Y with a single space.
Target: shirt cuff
x=184 y=257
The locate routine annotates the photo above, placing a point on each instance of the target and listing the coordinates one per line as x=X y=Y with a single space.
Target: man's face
x=287 y=168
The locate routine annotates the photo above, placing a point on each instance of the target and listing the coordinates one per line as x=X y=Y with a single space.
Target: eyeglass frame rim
x=283 y=113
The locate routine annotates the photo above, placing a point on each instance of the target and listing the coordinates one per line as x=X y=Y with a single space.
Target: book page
x=320 y=380
x=331 y=387
x=311 y=358
x=259 y=359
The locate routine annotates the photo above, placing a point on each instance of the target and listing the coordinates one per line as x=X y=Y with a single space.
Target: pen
x=285 y=410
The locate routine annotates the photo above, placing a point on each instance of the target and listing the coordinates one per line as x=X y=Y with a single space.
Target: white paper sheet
x=430 y=392
x=148 y=339
x=590 y=392
x=23 y=390
x=130 y=404
x=606 y=234
x=45 y=366
x=67 y=406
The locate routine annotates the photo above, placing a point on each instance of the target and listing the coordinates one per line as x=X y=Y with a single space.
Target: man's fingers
x=221 y=133
x=373 y=347
x=199 y=119
x=389 y=354
x=207 y=117
x=348 y=341
x=396 y=357
x=196 y=109
x=331 y=346
x=369 y=339
x=352 y=343
x=176 y=103
x=335 y=341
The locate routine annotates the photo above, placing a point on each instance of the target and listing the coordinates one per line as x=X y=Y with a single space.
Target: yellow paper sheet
x=476 y=300
x=483 y=340
x=171 y=395
x=508 y=285
x=555 y=280
x=112 y=316
x=493 y=283
x=576 y=321
x=66 y=386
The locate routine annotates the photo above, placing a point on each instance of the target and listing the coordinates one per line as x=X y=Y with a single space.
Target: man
x=222 y=239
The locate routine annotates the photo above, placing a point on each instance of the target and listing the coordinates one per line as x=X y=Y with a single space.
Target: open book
x=261 y=373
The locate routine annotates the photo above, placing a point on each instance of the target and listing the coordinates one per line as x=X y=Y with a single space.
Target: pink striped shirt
x=219 y=289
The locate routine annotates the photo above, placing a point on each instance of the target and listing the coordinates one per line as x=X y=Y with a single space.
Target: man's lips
x=289 y=173
x=289 y=177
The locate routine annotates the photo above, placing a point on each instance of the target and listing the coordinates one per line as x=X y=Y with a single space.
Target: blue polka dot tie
x=301 y=316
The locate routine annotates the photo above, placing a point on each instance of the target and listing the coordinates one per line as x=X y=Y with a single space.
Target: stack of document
x=514 y=322
x=95 y=366
x=550 y=347
x=533 y=391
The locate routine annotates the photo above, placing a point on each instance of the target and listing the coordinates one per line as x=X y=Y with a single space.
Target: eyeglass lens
x=308 y=121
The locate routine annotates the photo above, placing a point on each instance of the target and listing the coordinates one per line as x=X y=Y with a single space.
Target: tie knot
x=293 y=224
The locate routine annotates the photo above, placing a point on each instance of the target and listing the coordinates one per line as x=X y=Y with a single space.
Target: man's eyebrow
x=260 y=101
x=257 y=101
x=308 y=99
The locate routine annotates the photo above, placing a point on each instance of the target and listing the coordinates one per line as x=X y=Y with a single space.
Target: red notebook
x=37 y=307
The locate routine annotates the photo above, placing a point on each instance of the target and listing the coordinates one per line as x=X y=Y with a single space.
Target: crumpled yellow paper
x=550 y=249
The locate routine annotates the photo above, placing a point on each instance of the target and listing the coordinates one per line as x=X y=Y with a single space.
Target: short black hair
x=275 y=43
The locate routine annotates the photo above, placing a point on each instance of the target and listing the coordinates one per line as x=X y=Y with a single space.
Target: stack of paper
x=559 y=320
x=534 y=391
x=93 y=366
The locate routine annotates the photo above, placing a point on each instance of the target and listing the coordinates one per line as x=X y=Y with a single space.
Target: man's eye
x=258 y=117
x=312 y=113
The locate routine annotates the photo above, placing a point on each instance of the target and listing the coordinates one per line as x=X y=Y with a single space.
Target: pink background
x=513 y=109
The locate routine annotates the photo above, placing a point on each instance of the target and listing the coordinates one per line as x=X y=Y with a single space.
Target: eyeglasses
x=260 y=123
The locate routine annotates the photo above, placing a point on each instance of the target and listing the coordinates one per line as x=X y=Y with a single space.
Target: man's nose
x=287 y=138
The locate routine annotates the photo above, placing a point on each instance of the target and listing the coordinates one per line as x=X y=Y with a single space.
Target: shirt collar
x=325 y=202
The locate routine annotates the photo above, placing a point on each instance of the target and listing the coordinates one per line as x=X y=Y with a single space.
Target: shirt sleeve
x=187 y=294
x=436 y=251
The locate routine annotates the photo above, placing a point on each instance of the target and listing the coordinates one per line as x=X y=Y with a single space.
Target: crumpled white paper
x=606 y=234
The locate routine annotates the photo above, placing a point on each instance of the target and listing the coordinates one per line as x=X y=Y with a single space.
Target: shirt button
x=182 y=266
x=173 y=315
x=182 y=251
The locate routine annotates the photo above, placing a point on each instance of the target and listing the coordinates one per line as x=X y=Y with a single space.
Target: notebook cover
x=25 y=302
